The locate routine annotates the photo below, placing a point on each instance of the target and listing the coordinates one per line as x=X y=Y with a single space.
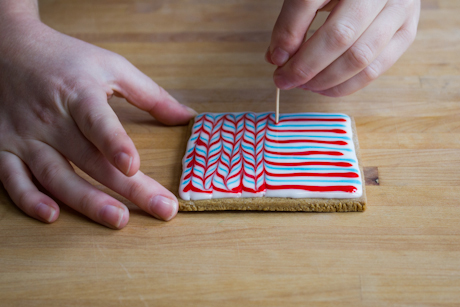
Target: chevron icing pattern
x=305 y=155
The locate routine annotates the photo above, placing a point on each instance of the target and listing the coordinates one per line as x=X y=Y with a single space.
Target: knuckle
x=92 y=120
x=301 y=73
x=24 y=200
x=408 y=34
x=360 y=55
x=49 y=174
x=92 y=158
x=336 y=91
x=371 y=72
x=286 y=38
x=86 y=202
x=8 y=178
x=117 y=141
x=134 y=188
x=341 y=34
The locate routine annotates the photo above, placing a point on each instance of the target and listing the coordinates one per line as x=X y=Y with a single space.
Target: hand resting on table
x=53 y=109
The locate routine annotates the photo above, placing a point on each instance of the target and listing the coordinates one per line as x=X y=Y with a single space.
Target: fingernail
x=279 y=56
x=45 y=212
x=191 y=111
x=163 y=208
x=123 y=161
x=267 y=56
x=281 y=82
x=112 y=215
x=305 y=87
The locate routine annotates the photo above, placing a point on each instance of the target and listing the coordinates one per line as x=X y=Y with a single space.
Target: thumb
x=142 y=92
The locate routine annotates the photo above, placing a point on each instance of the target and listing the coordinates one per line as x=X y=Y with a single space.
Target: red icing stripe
x=313 y=120
x=305 y=153
x=312 y=188
x=343 y=175
x=307 y=141
x=339 y=131
x=341 y=164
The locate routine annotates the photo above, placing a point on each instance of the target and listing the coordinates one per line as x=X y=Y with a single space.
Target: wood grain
x=403 y=251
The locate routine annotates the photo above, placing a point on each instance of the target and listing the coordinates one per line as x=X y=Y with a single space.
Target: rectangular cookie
x=245 y=161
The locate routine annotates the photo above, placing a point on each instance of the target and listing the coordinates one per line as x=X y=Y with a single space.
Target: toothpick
x=277 y=105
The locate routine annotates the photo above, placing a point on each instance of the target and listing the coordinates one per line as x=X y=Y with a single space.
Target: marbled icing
x=305 y=155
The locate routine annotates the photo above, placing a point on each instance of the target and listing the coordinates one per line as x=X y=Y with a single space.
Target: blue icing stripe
x=248 y=156
x=197 y=182
x=281 y=125
x=250 y=137
x=250 y=125
x=199 y=171
x=228 y=126
x=290 y=168
x=217 y=179
x=310 y=159
x=249 y=181
x=247 y=147
x=213 y=160
x=308 y=136
x=201 y=160
x=201 y=151
x=313 y=181
x=313 y=115
x=212 y=151
x=307 y=147
x=234 y=181
x=216 y=137
x=227 y=138
x=223 y=170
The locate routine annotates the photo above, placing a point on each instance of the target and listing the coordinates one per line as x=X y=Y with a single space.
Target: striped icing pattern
x=305 y=155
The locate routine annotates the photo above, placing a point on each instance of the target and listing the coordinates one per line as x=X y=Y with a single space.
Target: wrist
x=20 y=29
x=15 y=16
x=18 y=10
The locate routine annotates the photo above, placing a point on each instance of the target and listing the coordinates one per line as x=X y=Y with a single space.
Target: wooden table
x=404 y=250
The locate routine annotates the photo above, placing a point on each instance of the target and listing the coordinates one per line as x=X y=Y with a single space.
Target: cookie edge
x=278 y=203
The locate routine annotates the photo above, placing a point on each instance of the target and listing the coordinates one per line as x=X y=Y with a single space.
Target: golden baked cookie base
x=279 y=203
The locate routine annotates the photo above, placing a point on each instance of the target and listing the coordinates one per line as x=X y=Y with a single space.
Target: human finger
x=140 y=189
x=100 y=125
x=393 y=51
x=290 y=29
x=17 y=180
x=56 y=175
x=329 y=6
x=371 y=43
x=145 y=94
x=344 y=26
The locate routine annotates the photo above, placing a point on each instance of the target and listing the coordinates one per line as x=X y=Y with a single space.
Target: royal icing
x=305 y=155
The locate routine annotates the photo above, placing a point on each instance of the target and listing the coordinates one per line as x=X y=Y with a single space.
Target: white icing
x=225 y=156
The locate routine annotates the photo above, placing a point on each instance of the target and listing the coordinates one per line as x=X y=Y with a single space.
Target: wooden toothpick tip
x=277 y=114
